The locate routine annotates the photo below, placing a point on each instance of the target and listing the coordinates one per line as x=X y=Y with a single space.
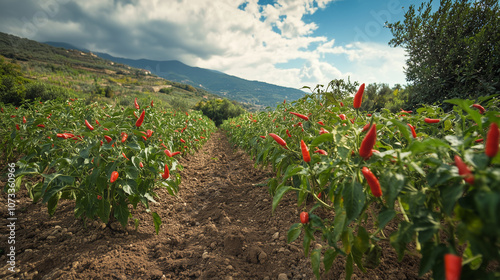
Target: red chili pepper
x=136 y=104
x=305 y=151
x=412 y=128
x=135 y=115
x=144 y=137
x=304 y=217
x=365 y=150
x=141 y=165
x=323 y=131
x=287 y=133
x=428 y=120
x=404 y=111
x=372 y=181
x=97 y=122
x=359 y=97
x=187 y=114
x=183 y=141
x=24 y=119
x=492 y=139
x=321 y=123
x=65 y=135
x=140 y=120
x=89 y=126
x=366 y=127
x=368 y=115
x=106 y=129
x=278 y=139
x=263 y=137
x=41 y=125
x=151 y=103
x=464 y=171
x=149 y=133
x=108 y=139
x=99 y=197
x=480 y=108
x=342 y=117
x=114 y=176
x=479 y=140
x=166 y=173
x=341 y=104
x=123 y=154
x=304 y=117
x=453 y=266
x=168 y=153
x=322 y=152
x=124 y=137
x=17 y=127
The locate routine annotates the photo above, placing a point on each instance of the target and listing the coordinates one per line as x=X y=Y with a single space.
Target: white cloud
x=213 y=34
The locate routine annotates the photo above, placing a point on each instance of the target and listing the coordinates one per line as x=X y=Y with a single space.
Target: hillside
x=241 y=90
x=76 y=73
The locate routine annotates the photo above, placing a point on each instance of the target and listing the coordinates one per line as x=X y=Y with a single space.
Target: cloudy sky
x=291 y=43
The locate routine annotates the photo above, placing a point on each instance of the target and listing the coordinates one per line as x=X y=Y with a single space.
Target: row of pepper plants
x=104 y=157
x=433 y=175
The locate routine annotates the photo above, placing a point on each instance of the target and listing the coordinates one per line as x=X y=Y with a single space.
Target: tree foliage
x=219 y=109
x=452 y=52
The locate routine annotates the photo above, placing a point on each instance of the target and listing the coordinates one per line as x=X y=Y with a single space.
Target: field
x=220 y=226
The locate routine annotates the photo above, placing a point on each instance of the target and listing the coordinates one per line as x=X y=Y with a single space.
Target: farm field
x=220 y=226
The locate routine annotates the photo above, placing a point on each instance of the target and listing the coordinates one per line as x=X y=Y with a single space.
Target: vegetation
x=436 y=175
x=252 y=94
x=30 y=70
x=453 y=52
x=219 y=110
x=104 y=157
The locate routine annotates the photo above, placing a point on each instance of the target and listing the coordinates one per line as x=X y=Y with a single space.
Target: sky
x=290 y=43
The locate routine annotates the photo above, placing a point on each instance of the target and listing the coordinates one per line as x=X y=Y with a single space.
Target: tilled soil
x=219 y=227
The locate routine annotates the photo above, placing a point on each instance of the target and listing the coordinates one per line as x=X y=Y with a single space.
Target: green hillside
x=33 y=69
x=248 y=92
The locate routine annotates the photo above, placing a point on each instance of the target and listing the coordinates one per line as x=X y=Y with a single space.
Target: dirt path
x=220 y=227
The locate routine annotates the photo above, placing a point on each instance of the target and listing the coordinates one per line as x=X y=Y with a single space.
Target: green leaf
x=392 y=184
x=358 y=259
x=104 y=210
x=405 y=130
x=338 y=227
x=430 y=254
x=279 y=195
x=157 y=221
x=122 y=213
x=321 y=139
x=294 y=232
x=449 y=197
x=308 y=237
x=52 y=204
x=348 y=267
x=362 y=240
x=385 y=216
x=60 y=182
x=354 y=200
x=328 y=259
x=316 y=261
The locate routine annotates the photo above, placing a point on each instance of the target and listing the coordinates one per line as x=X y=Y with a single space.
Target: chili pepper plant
x=427 y=172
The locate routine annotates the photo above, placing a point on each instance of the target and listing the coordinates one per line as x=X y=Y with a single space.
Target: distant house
x=146 y=72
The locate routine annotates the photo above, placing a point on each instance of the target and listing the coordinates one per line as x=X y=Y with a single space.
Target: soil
x=218 y=227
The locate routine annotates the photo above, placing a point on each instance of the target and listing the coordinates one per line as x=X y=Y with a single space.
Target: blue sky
x=291 y=43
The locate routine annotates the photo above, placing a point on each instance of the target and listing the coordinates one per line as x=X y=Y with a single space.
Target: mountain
x=35 y=69
x=241 y=90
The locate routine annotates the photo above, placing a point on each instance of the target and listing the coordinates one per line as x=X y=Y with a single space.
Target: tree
x=219 y=109
x=453 y=52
